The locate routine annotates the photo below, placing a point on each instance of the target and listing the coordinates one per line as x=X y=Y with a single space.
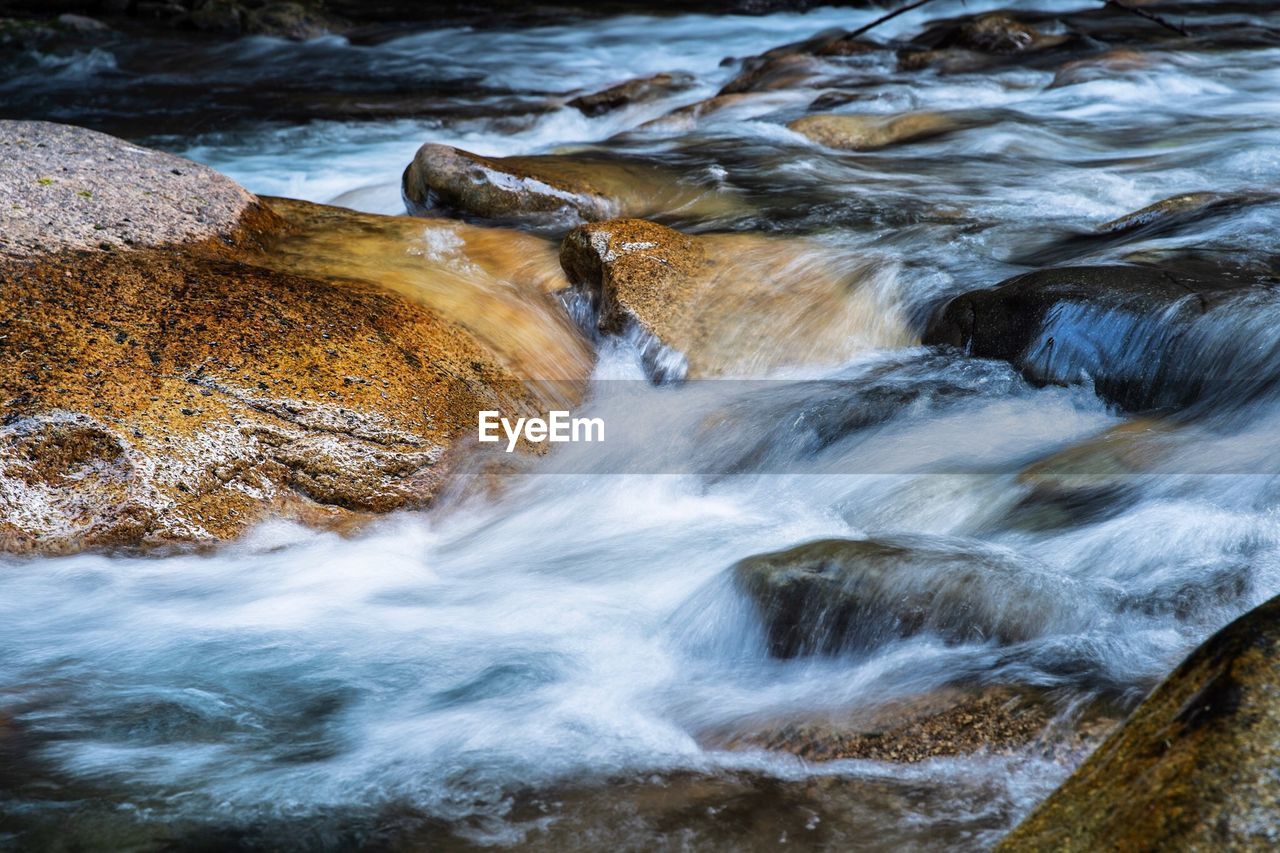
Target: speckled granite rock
x=70 y=188
x=173 y=393
x=1196 y=767
x=728 y=304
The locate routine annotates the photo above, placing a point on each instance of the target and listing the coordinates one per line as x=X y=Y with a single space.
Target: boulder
x=1123 y=328
x=726 y=304
x=1193 y=768
x=551 y=190
x=173 y=373
x=869 y=132
x=638 y=90
x=294 y=21
x=831 y=595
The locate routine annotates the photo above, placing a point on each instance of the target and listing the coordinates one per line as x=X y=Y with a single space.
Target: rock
x=1124 y=328
x=1170 y=213
x=67 y=188
x=177 y=391
x=552 y=190
x=1093 y=479
x=218 y=16
x=726 y=304
x=81 y=23
x=944 y=61
x=639 y=90
x=835 y=594
x=997 y=32
x=869 y=132
x=1104 y=65
x=1167 y=216
x=738 y=107
x=1193 y=768
x=294 y=21
x=780 y=72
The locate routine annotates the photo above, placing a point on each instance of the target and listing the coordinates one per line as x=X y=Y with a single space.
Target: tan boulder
x=869 y=132
x=550 y=189
x=176 y=394
x=729 y=304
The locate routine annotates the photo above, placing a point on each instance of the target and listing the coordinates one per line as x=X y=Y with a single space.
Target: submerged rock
x=834 y=594
x=1100 y=67
x=1123 y=328
x=945 y=722
x=1096 y=478
x=1193 y=768
x=556 y=190
x=726 y=304
x=869 y=132
x=639 y=90
x=178 y=393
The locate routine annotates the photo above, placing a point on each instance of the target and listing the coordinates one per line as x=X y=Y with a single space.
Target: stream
x=551 y=666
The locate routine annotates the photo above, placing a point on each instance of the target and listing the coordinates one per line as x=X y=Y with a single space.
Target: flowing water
x=547 y=665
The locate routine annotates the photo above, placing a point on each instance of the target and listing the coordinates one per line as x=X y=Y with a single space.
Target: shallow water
x=532 y=666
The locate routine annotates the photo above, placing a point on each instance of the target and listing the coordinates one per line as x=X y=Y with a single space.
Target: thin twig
x=880 y=20
x=1150 y=16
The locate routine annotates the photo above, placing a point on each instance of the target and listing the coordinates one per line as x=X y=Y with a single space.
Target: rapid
x=538 y=664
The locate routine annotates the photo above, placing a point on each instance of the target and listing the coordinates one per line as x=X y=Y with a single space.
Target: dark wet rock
x=183 y=388
x=944 y=61
x=998 y=32
x=1167 y=216
x=295 y=21
x=1171 y=213
x=836 y=594
x=1123 y=328
x=218 y=16
x=639 y=90
x=983 y=41
x=1193 y=768
x=552 y=190
x=780 y=72
x=690 y=298
x=869 y=132
x=785 y=424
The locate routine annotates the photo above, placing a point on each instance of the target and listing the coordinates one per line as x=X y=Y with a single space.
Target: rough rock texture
x=639 y=90
x=160 y=396
x=1193 y=768
x=835 y=594
x=868 y=132
x=554 y=190
x=1121 y=327
x=727 y=304
x=944 y=722
x=70 y=188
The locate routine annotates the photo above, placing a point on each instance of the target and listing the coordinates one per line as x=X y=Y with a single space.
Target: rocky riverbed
x=936 y=365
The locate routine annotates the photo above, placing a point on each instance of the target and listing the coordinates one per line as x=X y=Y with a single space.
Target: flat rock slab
x=67 y=187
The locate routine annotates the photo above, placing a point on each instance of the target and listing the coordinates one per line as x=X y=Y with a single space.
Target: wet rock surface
x=557 y=191
x=1121 y=327
x=839 y=594
x=870 y=132
x=179 y=394
x=639 y=90
x=1192 y=768
x=694 y=298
